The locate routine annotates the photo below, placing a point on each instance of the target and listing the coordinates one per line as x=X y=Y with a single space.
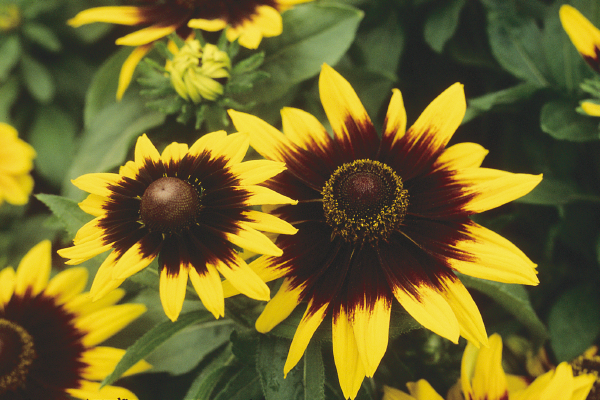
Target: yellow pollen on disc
x=17 y=353
x=364 y=201
x=588 y=364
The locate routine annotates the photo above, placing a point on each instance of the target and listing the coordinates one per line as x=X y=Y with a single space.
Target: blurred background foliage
x=522 y=80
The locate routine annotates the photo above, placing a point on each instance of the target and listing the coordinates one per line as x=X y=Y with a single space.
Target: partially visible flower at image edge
x=190 y=207
x=583 y=34
x=16 y=162
x=196 y=70
x=381 y=218
x=50 y=331
x=247 y=21
x=483 y=378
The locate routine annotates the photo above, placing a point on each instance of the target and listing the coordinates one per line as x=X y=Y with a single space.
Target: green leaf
x=574 y=321
x=505 y=97
x=442 y=22
x=52 y=134
x=67 y=211
x=554 y=192
x=154 y=338
x=108 y=137
x=9 y=91
x=513 y=298
x=38 y=79
x=560 y=120
x=313 y=34
x=244 y=385
x=314 y=372
x=10 y=48
x=41 y=35
x=103 y=89
x=271 y=355
x=206 y=382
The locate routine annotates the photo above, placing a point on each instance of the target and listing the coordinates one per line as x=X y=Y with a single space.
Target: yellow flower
x=195 y=70
x=584 y=35
x=16 y=161
x=188 y=207
x=49 y=331
x=591 y=108
x=382 y=219
x=248 y=21
x=483 y=378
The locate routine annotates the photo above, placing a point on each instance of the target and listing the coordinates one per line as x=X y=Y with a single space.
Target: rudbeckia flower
x=382 y=218
x=483 y=378
x=190 y=207
x=16 y=161
x=49 y=332
x=248 y=21
x=584 y=35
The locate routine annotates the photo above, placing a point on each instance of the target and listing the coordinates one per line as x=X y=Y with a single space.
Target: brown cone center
x=362 y=192
x=169 y=204
x=17 y=353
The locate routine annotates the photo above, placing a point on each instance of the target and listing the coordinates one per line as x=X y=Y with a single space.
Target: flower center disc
x=364 y=201
x=16 y=355
x=169 y=204
x=588 y=364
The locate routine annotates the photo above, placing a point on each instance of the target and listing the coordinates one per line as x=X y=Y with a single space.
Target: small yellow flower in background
x=584 y=35
x=16 y=162
x=49 y=332
x=247 y=21
x=483 y=378
x=10 y=17
x=189 y=207
x=381 y=219
x=591 y=108
x=195 y=71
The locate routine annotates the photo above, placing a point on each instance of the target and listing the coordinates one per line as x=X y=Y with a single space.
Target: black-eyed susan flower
x=584 y=35
x=483 y=378
x=382 y=218
x=247 y=21
x=16 y=163
x=188 y=207
x=49 y=332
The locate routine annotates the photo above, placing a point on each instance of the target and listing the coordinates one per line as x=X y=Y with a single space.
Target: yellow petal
x=94 y=205
x=430 y=310
x=16 y=189
x=584 y=35
x=235 y=148
x=82 y=304
x=129 y=170
x=174 y=152
x=306 y=329
x=395 y=119
x=440 y=119
x=493 y=258
x=350 y=369
x=67 y=284
x=253 y=240
x=340 y=103
x=266 y=140
x=268 y=223
x=7 y=285
x=103 y=281
x=461 y=155
x=146 y=35
x=264 y=267
x=97 y=183
x=262 y=195
x=422 y=390
x=91 y=390
x=466 y=312
x=590 y=108
x=244 y=279
x=131 y=262
x=467 y=368
x=145 y=150
x=104 y=323
x=371 y=330
x=303 y=129
x=208 y=143
x=128 y=68
x=121 y=15
x=256 y=171
x=582 y=385
x=34 y=269
x=390 y=393
x=101 y=361
x=279 y=307
x=489 y=380
x=172 y=291
x=492 y=188
x=210 y=25
x=209 y=289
